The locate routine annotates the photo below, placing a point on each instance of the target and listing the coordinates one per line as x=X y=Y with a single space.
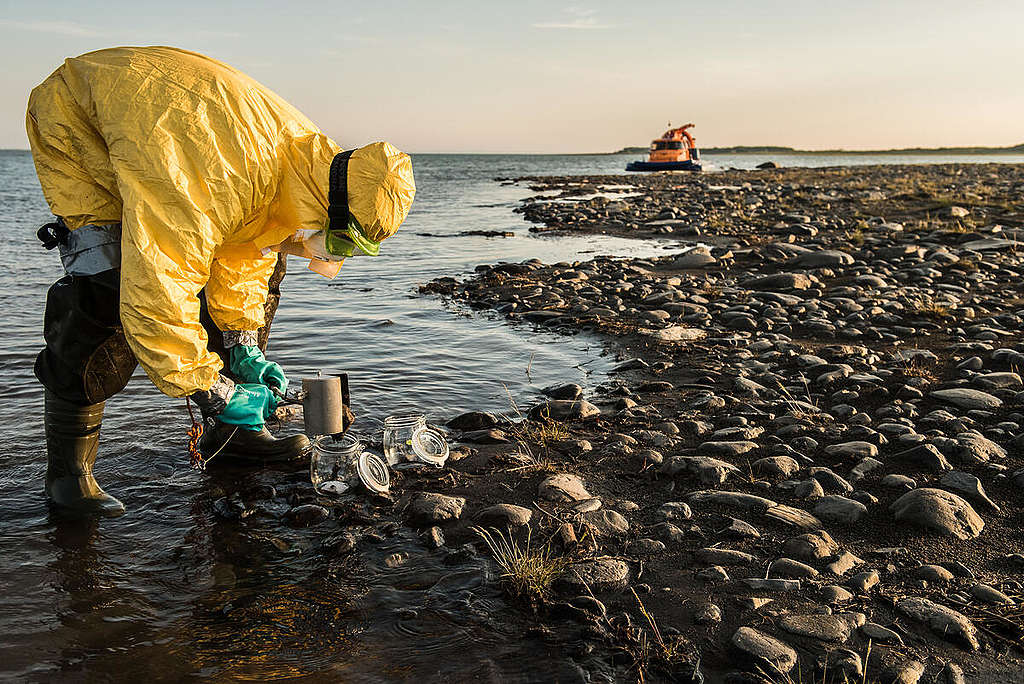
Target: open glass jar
x=338 y=465
x=398 y=432
x=408 y=439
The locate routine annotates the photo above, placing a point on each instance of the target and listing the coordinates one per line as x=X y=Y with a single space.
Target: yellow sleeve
x=167 y=247
x=237 y=291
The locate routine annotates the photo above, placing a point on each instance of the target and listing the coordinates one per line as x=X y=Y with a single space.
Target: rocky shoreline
x=807 y=466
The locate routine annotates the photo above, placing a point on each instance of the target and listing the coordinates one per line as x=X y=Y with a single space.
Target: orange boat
x=675 y=150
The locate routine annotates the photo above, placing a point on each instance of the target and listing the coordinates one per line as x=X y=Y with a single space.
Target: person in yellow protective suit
x=178 y=183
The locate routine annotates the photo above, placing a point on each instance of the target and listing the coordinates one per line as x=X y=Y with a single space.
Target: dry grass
x=531 y=437
x=526 y=572
x=918 y=368
x=967 y=266
x=931 y=309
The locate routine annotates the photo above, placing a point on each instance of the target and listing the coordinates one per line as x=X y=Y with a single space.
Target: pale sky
x=532 y=76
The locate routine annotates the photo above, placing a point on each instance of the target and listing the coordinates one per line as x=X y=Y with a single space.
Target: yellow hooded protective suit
x=207 y=170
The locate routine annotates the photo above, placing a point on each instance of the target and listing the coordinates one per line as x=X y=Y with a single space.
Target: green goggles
x=350 y=241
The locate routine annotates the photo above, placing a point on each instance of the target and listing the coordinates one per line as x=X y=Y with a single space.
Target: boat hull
x=688 y=165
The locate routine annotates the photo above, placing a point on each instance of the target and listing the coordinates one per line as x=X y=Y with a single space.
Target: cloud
x=583 y=19
x=63 y=28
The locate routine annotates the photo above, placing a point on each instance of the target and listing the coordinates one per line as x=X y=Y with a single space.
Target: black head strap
x=337 y=191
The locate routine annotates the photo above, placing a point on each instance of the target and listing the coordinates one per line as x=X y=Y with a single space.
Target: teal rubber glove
x=249 y=406
x=250 y=366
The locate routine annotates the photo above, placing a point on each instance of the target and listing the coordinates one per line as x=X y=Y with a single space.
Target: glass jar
x=398 y=432
x=334 y=462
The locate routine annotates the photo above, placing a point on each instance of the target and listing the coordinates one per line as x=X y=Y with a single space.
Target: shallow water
x=169 y=590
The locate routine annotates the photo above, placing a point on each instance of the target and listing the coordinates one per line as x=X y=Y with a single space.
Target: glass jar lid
x=373 y=473
x=430 y=446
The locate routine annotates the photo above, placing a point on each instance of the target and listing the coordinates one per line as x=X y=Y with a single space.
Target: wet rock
x=601 y=574
x=563 y=488
x=307 y=515
x=763 y=650
x=433 y=537
x=589 y=605
x=396 y=560
x=944 y=622
x=838 y=509
x=473 y=420
x=564 y=410
x=229 y=508
x=505 y=515
x=968 y=399
x=938 y=510
x=426 y=509
x=487 y=436
x=569 y=391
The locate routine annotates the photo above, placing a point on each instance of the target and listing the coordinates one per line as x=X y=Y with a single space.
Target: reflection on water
x=170 y=590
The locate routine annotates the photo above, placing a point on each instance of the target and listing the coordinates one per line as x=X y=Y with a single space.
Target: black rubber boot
x=254 y=447
x=72 y=439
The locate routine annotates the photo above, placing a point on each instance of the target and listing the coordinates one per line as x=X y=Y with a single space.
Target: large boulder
x=938 y=510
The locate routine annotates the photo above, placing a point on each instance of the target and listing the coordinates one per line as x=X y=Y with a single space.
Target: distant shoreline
x=769 y=149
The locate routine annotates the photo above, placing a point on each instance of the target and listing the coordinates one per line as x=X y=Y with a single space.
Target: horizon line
x=767 y=149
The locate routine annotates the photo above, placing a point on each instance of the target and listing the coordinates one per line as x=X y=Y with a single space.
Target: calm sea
x=168 y=591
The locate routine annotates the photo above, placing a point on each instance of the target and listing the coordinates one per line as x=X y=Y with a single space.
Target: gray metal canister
x=323 y=405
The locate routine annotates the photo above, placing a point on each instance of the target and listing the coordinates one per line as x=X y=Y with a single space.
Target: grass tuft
x=526 y=572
